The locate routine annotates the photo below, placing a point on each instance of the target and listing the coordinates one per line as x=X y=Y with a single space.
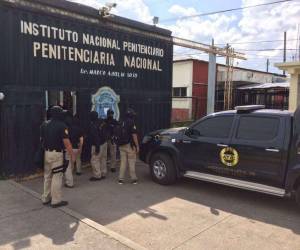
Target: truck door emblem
x=229 y=157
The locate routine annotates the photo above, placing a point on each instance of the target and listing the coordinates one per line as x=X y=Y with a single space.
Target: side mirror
x=188 y=132
x=192 y=132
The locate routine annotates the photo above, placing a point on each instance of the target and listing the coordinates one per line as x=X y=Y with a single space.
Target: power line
x=249 y=50
x=264 y=49
x=249 y=42
x=249 y=56
x=223 y=11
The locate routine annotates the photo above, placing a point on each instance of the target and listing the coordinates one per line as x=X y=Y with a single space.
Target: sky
x=246 y=30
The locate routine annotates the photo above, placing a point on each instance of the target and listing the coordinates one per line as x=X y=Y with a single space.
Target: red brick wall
x=200 y=80
x=180 y=115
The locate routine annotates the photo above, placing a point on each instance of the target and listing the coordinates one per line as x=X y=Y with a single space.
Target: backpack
x=95 y=133
x=121 y=134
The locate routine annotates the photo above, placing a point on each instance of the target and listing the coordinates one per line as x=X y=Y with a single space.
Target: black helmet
x=56 y=112
x=110 y=112
x=130 y=113
x=93 y=116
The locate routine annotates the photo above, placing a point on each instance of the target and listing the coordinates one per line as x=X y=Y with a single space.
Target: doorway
x=66 y=99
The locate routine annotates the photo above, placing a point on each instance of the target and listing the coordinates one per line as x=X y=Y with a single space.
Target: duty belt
x=55 y=150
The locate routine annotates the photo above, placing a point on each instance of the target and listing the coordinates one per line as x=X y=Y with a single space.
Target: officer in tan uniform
x=98 y=148
x=111 y=123
x=130 y=148
x=103 y=147
x=76 y=138
x=55 y=138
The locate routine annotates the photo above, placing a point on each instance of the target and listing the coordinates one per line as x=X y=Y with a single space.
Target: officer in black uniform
x=55 y=138
x=130 y=148
x=111 y=145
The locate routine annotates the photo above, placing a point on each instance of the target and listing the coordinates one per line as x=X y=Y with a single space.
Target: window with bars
x=180 y=92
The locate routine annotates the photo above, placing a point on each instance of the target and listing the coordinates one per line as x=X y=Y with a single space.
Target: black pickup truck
x=250 y=148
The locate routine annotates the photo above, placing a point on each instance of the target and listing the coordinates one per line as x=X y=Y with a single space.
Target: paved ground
x=189 y=215
x=25 y=223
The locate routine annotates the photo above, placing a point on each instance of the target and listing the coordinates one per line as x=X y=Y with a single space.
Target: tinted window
x=257 y=128
x=218 y=127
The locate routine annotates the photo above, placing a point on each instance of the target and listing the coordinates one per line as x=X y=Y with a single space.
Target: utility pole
x=268 y=63
x=226 y=79
x=284 y=49
x=299 y=41
x=211 y=88
x=228 y=85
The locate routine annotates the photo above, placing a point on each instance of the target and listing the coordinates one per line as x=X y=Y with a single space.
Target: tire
x=162 y=169
x=297 y=195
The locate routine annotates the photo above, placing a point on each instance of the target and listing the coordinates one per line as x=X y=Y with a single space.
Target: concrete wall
x=182 y=77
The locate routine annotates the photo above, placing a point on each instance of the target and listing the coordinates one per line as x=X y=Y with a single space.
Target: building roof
x=94 y=13
x=267 y=85
x=185 y=59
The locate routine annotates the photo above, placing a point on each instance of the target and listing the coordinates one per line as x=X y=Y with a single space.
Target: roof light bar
x=249 y=108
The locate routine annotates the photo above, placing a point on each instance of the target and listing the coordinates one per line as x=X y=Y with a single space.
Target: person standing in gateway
x=129 y=147
x=55 y=138
x=98 y=143
x=111 y=123
x=76 y=138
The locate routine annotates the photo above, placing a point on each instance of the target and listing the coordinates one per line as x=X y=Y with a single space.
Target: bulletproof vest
x=52 y=135
x=122 y=133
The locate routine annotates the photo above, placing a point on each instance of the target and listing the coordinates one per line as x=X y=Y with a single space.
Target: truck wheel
x=162 y=169
x=297 y=194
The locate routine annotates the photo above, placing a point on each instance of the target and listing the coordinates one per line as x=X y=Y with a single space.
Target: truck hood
x=168 y=131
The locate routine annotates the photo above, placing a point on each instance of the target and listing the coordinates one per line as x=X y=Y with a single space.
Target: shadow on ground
x=25 y=223
x=21 y=216
x=112 y=202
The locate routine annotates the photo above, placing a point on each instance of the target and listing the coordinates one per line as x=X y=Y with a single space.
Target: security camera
x=111 y=5
x=105 y=10
x=2 y=96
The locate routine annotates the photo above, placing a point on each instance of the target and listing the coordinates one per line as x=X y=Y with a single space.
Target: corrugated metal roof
x=267 y=85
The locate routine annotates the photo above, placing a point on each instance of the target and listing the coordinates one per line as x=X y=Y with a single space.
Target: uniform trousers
x=112 y=147
x=98 y=161
x=69 y=172
x=52 y=182
x=128 y=154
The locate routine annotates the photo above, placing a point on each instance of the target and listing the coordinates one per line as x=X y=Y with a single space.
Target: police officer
x=98 y=147
x=76 y=138
x=129 y=150
x=104 y=135
x=111 y=145
x=79 y=133
x=55 y=137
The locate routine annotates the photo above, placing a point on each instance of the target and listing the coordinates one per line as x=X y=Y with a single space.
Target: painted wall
x=248 y=76
x=35 y=59
x=182 y=77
